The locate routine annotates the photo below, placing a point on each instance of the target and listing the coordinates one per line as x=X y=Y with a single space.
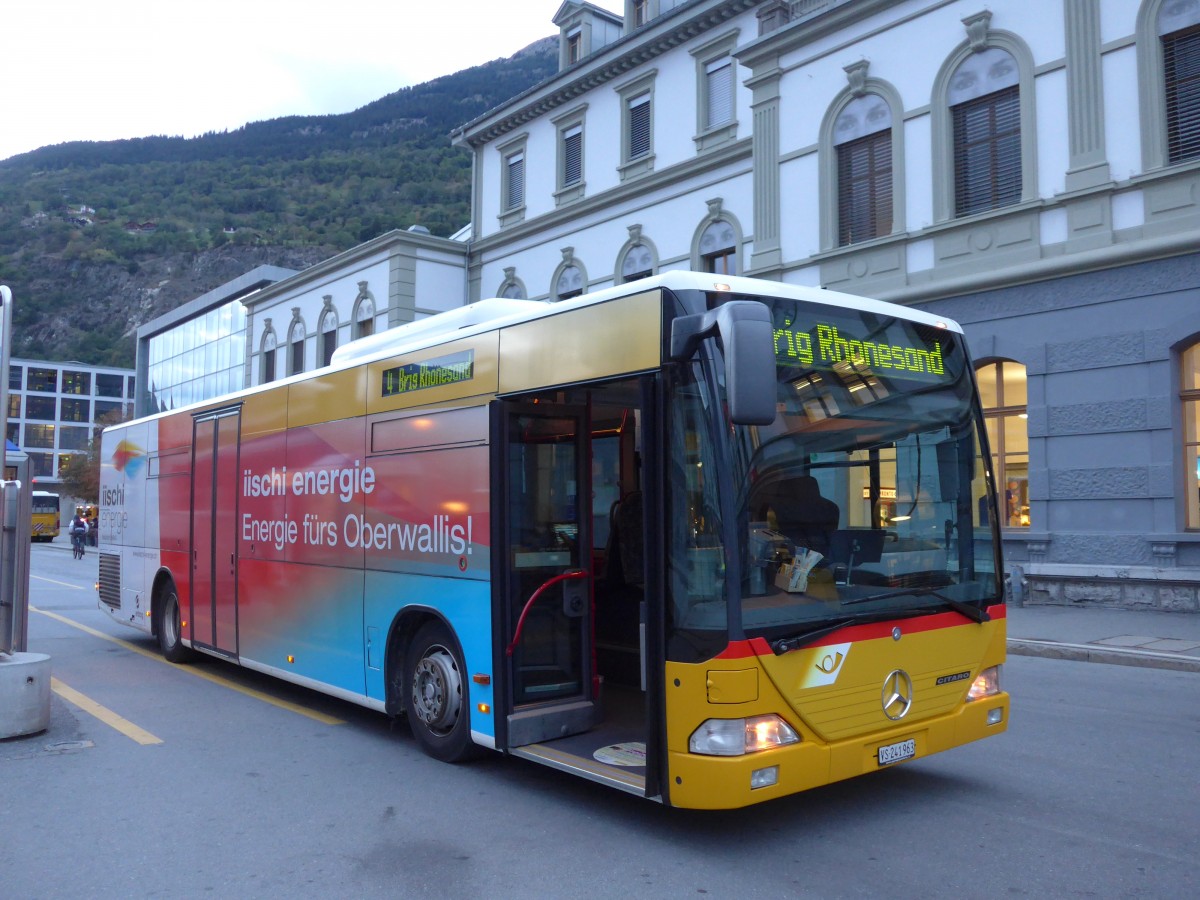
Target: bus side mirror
x=747 y=337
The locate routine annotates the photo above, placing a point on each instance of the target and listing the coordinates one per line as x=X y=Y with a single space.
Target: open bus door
x=569 y=604
x=547 y=587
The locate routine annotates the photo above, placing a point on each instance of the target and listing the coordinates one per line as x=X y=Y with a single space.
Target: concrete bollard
x=24 y=694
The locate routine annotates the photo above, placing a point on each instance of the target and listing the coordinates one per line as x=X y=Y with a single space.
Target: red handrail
x=564 y=576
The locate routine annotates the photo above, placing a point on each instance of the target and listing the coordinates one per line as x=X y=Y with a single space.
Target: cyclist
x=78 y=529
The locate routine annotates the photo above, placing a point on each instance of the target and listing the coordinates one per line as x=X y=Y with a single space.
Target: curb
x=1113 y=655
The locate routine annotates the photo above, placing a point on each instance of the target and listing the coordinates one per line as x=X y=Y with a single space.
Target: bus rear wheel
x=170 y=628
x=437 y=695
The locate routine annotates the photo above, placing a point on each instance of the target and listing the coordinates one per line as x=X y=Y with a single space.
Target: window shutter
x=987 y=152
x=865 y=188
x=1181 y=70
x=639 y=127
x=572 y=156
x=720 y=92
x=516 y=180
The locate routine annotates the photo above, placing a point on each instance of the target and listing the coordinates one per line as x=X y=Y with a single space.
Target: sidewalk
x=1124 y=637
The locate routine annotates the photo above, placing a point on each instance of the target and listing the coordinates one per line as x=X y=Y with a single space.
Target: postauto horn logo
x=129 y=458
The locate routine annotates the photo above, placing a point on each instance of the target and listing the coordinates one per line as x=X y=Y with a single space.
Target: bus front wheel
x=437 y=695
x=170 y=630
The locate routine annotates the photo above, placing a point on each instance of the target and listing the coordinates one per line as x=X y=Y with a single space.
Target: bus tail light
x=737 y=737
x=986 y=684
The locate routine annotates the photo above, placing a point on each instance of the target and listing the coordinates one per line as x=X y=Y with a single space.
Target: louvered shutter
x=516 y=181
x=865 y=188
x=720 y=92
x=639 y=127
x=1181 y=71
x=572 y=156
x=987 y=152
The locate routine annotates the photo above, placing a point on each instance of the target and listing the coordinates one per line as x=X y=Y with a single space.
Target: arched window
x=1179 y=34
x=1003 y=393
x=296 y=345
x=637 y=263
x=570 y=278
x=1189 y=396
x=862 y=138
x=718 y=248
x=364 y=312
x=329 y=325
x=985 y=107
x=269 y=344
x=638 y=257
x=512 y=288
x=569 y=283
x=984 y=152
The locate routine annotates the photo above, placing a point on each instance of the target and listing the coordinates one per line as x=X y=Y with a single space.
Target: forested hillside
x=98 y=238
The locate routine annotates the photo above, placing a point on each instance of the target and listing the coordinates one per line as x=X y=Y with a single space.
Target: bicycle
x=77 y=548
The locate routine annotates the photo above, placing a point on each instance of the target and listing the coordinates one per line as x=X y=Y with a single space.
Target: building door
x=214 y=527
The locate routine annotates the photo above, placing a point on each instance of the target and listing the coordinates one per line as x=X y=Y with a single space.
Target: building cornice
x=336 y=265
x=614 y=61
x=737 y=151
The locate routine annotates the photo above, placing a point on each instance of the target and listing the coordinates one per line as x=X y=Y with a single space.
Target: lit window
x=1003 y=393
x=1190 y=397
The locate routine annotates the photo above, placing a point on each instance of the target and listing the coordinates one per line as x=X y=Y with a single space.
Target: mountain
x=97 y=238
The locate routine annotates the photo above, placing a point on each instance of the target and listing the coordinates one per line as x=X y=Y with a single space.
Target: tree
x=81 y=475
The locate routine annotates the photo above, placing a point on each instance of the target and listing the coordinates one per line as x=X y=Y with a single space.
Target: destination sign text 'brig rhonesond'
x=431 y=373
x=835 y=344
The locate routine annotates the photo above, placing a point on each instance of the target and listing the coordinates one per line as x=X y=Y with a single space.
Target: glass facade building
x=54 y=408
x=197 y=359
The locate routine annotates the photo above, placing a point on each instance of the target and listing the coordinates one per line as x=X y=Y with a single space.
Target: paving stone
x=1126 y=640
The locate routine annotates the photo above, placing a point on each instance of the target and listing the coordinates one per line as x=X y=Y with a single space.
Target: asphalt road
x=219 y=782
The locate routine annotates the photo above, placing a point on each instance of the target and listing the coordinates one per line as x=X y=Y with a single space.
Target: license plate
x=897 y=752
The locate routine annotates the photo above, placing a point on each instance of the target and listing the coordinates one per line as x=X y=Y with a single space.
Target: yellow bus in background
x=45 y=516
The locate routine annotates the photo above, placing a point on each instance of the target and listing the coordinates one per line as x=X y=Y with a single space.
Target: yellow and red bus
x=45 y=524
x=708 y=540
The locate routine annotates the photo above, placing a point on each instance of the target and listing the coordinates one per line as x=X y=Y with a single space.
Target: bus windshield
x=866 y=498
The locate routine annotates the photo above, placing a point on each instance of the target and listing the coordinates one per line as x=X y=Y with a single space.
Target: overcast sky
x=74 y=70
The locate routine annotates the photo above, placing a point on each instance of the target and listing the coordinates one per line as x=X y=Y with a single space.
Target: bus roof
x=493 y=313
x=486 y=315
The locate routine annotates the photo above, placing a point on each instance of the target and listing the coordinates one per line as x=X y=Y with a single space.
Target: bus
x=45 y=516
x=588 y=534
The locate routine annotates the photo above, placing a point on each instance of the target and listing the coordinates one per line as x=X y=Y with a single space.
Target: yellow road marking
x=103 y=713
x=199 y=673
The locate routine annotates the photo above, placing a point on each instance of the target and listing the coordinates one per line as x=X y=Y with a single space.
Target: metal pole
x=6 y=301
x=9 y=640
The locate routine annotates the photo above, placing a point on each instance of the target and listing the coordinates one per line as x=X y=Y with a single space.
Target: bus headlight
x=736 y=737
x=986 y=684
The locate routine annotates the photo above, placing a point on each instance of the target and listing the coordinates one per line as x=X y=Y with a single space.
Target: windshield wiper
x=974 y=613
x=798 y=640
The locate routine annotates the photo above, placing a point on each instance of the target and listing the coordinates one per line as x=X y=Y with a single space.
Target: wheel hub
x=437 y=690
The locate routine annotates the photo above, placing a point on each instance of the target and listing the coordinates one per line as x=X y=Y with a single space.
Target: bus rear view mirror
x=746 y=333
